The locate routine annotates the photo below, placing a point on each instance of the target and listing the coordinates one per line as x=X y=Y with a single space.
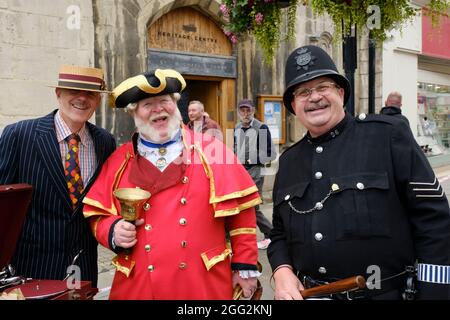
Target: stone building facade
x=128 y=37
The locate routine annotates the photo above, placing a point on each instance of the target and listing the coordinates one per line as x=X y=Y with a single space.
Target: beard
x=159 y=136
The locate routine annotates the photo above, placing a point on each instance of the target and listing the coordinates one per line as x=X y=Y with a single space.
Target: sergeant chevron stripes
x=433 y=189
x=433 y=273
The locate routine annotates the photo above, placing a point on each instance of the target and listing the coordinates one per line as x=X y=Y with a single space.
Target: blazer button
x=360 y=185
x=318 y=236
x=287 y=197
x=183 y=221
x=322 y=270
x=318 y=175
x=319 y=149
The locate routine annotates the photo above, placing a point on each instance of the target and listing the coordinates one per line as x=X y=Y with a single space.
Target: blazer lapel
x=48 y=148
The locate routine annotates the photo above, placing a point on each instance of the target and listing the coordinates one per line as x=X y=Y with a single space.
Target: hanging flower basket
x=262 y=18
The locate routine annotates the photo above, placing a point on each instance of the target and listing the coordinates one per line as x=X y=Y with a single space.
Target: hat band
x=80 y=81
x=79 y=85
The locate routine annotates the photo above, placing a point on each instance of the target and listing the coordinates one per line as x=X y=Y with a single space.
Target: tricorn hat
x=308 y=63
x=149 y=84
x=81 y=78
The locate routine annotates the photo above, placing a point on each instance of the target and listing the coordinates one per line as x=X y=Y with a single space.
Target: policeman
x=355 y=196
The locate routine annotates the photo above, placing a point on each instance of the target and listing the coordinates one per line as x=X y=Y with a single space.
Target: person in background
x=201 y=122
x=60 y=155
x=392 y=106
x=179 y=247
x=254 y=148
x=355 y=196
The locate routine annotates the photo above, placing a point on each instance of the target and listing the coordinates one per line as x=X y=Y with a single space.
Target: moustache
x=316 y=106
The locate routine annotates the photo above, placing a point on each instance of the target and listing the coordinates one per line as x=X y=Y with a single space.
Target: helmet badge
x=304 y=59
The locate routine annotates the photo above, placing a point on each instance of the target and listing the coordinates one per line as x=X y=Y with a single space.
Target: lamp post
x=350 y=64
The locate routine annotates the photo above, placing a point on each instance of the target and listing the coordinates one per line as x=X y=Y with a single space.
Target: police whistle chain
x=348 y=284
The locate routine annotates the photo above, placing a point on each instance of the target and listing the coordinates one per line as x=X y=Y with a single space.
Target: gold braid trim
x=209 y=263
x=213 y=199
x=97 y=204
x=126 y=271
x=236 y=210
x=234 y=195
x=239 y=231
x=94 y=229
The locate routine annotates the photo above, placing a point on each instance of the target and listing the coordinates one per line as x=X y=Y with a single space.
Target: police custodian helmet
x=307 y=63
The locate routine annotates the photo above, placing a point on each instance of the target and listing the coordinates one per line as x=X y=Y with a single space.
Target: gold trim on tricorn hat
x=149 y=84
x=81 y=78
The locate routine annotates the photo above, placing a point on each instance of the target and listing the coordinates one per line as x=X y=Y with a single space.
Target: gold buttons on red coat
x=148 y=248
x=183 y=265
x=183 y=201
x=151 y=268
x=148 y=227
x=185 y=180
x=183 y=221
x=184 y=244
x=146 y=206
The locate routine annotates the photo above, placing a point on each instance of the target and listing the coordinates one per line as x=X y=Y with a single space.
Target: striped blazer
x=53 y=232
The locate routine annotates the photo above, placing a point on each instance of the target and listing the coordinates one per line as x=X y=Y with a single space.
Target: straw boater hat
x=148 y=84
x=81 y=78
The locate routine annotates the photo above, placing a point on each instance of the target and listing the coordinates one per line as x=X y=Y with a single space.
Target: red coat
x=181 y=251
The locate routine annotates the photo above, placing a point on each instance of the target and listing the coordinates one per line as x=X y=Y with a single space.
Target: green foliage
x=393 y=14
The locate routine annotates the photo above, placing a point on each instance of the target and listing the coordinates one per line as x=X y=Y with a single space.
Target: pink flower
x=234 y=39
x=259 y=18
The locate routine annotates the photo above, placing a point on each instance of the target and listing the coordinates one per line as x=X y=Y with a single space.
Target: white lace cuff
x=245 y=274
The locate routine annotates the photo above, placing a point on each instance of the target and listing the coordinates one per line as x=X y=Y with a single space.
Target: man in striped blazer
x=34 y=152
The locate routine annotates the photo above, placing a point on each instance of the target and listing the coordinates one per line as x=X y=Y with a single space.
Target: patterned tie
x=72 y=169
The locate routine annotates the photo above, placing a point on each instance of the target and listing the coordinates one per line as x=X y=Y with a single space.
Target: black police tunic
x=360 y=197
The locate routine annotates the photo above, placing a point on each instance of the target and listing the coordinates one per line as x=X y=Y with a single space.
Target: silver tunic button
x=322 y=270
x=287 y=197
x=362 y=116
x=318 y=175
x=318 y=206
x=148 y=248
x=319 y=149
x=151 y=268
x=183 y=221
x=360 y=185
x=318 y=236
x=148 y=227
x=185 y=180
x=146 y=206
x=183 y=201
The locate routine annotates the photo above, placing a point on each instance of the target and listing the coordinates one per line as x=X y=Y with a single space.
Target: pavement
x=106 y=270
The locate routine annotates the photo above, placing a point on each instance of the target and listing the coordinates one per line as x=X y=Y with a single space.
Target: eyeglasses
x=322 y=89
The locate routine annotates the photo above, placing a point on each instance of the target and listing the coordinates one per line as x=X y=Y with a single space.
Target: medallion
x=162 y=151
x=161 y=163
